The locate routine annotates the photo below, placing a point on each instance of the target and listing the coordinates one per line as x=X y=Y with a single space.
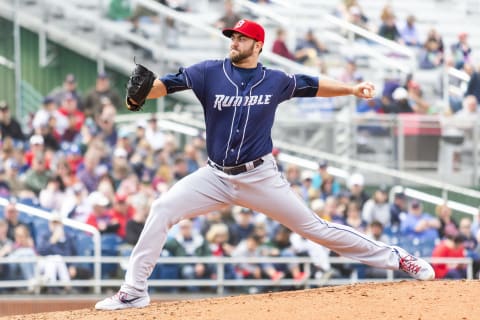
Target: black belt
x=237 y=169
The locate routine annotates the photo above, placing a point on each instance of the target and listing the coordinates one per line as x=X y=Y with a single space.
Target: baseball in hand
x=368 y=93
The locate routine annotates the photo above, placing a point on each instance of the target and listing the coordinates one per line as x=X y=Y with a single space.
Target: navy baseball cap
x=248 y=28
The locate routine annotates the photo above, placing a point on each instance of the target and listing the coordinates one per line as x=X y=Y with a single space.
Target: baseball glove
x=138 y=86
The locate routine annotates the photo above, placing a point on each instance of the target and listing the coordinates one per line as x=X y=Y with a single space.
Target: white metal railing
x=42 y=214
x=219 y=282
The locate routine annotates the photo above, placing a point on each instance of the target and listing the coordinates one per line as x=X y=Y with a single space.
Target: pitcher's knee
x=165 y=212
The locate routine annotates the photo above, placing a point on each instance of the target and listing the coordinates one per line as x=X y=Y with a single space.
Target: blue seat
x=84 y=244
x=38 y=228
x=110 y=247
x=85 y=247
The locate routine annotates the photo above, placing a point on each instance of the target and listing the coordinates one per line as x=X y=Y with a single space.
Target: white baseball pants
x=262 y=189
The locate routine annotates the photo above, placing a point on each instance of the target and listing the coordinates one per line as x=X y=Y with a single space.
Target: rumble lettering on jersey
x=222 y=101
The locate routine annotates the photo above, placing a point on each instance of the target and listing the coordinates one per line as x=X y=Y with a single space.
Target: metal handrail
x=220 y=282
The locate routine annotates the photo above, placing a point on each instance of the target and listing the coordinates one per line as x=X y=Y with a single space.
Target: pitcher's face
x=242 y=48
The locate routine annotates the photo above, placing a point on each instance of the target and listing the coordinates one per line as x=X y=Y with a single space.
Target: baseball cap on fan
x=248 y=28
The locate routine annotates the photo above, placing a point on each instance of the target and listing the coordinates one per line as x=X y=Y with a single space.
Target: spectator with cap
x=356 y=188
x=398 y=209
x=121 y=212
x=9 y=126
x=401 y=102
x=419 y=225
x=69 y=87
x=305 y=189
x=93 y=99
x=322 y=171
x=100 y=217
x=450 y=247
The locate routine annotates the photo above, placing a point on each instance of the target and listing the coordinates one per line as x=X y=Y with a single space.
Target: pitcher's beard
x=238 y=57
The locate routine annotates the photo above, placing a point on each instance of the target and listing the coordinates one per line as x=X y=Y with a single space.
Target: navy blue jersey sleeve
x=186 y=78
x=175 y=81
x=297 y=85
x=307 y=86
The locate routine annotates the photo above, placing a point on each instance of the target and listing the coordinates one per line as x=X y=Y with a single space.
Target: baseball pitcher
x=239 y=97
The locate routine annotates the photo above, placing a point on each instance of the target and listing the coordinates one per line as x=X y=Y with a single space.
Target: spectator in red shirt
x=450 y=247
x=120 y=213
x=75 y=117
x=100 y=217
x=37 y=146
x=280 y=47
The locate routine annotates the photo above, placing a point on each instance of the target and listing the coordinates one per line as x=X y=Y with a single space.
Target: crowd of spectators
x=74 y=161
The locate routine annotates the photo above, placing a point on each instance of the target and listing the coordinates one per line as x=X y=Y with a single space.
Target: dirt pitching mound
x=398 y=300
